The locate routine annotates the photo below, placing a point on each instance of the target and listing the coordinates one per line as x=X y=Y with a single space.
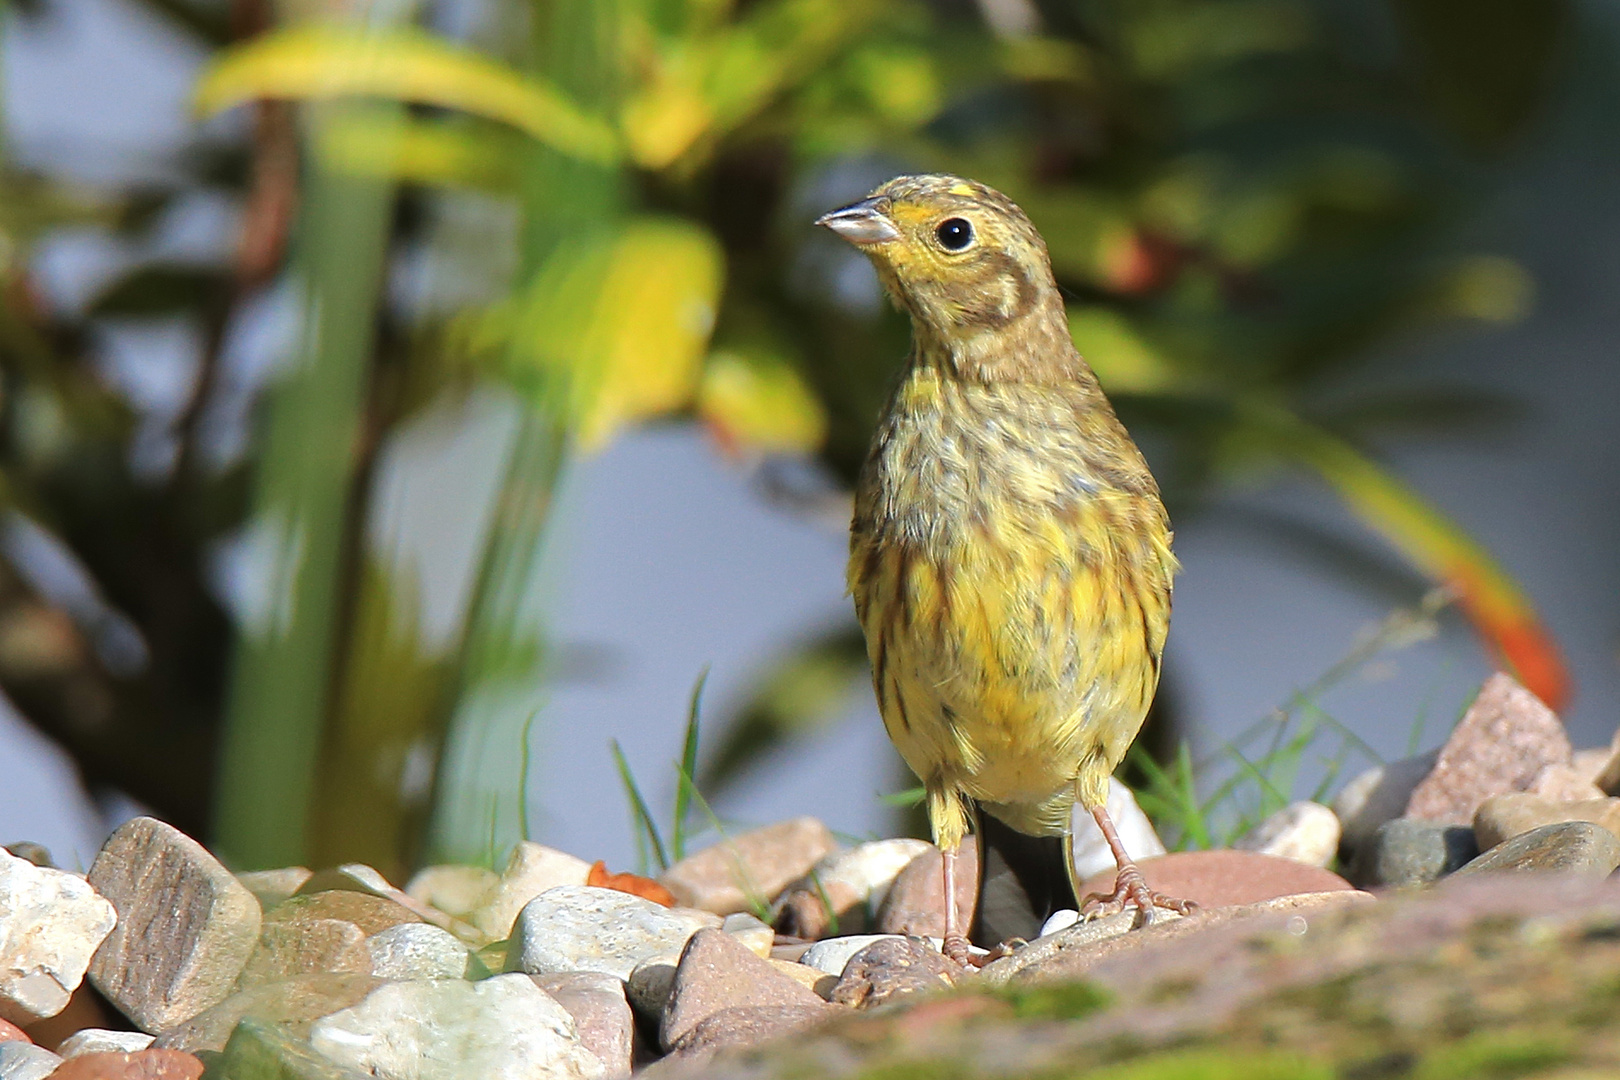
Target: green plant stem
x=280 y=689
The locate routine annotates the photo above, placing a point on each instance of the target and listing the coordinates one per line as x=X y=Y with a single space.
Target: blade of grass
x=638 y=805
x=687 y=768
x=523 y=776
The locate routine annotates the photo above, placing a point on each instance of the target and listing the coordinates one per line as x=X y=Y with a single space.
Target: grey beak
x=863 y=222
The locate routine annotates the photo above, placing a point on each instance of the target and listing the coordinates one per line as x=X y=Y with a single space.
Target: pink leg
x=1130 y=888
x=955 y=945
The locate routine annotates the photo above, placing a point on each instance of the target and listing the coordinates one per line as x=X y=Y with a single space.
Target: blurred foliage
x=1243 y=199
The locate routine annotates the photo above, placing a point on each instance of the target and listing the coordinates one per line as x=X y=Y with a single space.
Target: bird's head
x=960 y=257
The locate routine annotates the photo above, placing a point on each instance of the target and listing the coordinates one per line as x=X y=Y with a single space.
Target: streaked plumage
x=1010 y=557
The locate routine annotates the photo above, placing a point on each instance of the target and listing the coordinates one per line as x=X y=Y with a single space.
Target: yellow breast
x=1010 y=564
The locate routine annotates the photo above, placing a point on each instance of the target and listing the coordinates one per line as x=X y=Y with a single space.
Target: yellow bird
x=1009 y=555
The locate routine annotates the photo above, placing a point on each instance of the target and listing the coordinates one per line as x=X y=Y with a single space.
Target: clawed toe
x=1131 y=890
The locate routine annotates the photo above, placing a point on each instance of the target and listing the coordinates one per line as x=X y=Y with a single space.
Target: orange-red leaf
x=634 y=884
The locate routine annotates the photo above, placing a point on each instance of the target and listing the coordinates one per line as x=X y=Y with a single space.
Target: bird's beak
x=863 y=222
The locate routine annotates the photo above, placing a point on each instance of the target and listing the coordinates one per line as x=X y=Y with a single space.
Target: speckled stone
x=1405 y=852
x=531 y=870
x=51 y=923
x=717 y=972
x=581 y=928
x=1306 y=832
x=602 y=1016
x=894 y=968
x=1503 y=817
x=504 y=1028
x=1571 y=847
x=1503 y=741
x=846 y=887
x=186 y=926
x=752 y=866
x=417 y=951
x=25 y=1061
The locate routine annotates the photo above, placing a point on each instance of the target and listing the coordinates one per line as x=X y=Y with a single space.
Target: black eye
x=955 y=233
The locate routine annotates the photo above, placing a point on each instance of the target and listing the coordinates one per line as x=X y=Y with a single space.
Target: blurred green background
x=520 y=231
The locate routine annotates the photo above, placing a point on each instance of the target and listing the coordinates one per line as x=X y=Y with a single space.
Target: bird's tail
x=1022 y=881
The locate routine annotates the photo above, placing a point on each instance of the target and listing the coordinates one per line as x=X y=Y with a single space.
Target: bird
x=1010 y=554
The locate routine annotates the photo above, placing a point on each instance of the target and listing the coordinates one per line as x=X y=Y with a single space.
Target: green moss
x=1490 y=1055
x=1063 y=1001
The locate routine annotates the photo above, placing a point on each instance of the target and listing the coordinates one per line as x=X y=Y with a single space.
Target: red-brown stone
x=141 y=1065
x=1220 y=878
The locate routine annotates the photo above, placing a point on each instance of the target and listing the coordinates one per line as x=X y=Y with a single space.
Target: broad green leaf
x=760 y=403
x=312 y=63
x=617 y=322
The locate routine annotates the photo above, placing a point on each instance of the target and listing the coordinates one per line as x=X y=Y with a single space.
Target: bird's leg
x=955 y=944
x=1130 y=888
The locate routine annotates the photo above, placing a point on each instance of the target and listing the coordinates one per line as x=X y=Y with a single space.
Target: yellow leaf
x=311 y=63
x=623 y=318
x=761 y=403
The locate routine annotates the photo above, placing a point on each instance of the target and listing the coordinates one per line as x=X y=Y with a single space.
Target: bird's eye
x=954 y=233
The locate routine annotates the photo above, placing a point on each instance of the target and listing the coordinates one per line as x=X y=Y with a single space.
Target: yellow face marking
x=963 y=190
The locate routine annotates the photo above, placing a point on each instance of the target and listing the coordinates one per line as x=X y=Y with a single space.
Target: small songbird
x=1009 y=555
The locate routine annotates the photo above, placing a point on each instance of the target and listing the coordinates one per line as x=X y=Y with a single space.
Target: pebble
x=1092 y=855
x=50 y=925
x=504 y=1028
x=138 y=1065
x=1222 y=878
x=1503 y=817
x=717 y=972
x=25 y=1061
x=262 y=1052
x=372 y=914
x=186 y=926
x=580 y=928
x=10 y=1032
x=1558 y=782
x=853 y=882
x=1059 y=920
x=274 y=886
x=1406 y=852
x=1502 y=742
x=531 y=869
x=306 y=946
x=1071 y=954
x=750 y=1026
x=454 y=890
x=757 y=936
x=103 y=1041
x=831 y=954
x=895 y=968
x=417 y=951
x=291 y=1005
x=1306 y=832
x=38 y=854
x=358 y=877
x=1378 y=795
x=819 y=981
x=1570 y=847
x=602 y=1016
x=753 y=867
x=915 y=903
x=649 y=984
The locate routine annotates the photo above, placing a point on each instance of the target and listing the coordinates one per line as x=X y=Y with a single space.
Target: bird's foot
x=1131 y=890
x=956 y=947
